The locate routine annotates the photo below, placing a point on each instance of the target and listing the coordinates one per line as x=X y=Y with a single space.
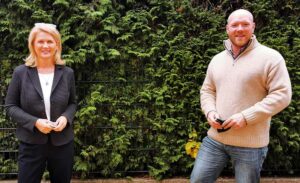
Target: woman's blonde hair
x=50 y=29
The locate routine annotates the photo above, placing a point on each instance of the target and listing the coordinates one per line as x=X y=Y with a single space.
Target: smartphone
x=221 y=121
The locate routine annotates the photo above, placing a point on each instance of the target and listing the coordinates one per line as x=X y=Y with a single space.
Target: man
x=245 y=85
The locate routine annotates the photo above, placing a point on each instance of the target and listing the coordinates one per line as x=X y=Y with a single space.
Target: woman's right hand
x=211 y=118
x=43 y=126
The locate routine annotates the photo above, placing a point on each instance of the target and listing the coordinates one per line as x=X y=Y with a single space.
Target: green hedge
x=139 y=66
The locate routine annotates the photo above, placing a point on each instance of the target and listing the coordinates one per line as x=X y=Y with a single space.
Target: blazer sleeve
x=12 y=103
x=72 y=104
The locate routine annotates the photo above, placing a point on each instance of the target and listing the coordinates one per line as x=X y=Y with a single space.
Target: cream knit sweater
x=256 y=84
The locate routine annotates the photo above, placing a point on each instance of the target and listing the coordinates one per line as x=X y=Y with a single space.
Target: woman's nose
x=45 y=45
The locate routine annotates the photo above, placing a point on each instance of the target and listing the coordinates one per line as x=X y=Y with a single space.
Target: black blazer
x=24 y=104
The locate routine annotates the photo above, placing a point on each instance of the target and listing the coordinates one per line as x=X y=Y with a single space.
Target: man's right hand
x=211 y=117
x=43 y=126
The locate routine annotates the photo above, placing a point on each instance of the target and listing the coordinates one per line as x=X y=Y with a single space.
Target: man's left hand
x=235 y=121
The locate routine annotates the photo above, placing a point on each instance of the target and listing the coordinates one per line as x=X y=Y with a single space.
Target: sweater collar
x=250 y=45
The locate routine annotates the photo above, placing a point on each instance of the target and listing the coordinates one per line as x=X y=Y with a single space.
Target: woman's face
x=45 y=46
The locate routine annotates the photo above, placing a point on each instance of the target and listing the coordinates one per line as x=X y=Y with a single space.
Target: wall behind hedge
x=139 y=65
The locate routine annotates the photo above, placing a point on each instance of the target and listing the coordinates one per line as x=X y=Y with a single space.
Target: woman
x=41 y=100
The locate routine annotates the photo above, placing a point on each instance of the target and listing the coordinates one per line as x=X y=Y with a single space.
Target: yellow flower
x=192 y=148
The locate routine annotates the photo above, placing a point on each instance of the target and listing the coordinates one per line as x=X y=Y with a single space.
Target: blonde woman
x=41 y=100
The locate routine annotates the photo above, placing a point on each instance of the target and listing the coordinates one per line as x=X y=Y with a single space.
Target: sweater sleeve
x=279 y=95
x=208 y=93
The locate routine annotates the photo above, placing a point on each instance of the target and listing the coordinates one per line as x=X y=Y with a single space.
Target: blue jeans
x=213 y=156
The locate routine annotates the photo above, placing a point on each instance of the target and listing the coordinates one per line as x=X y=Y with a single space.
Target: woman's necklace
x=46 y=78
x=46 y=74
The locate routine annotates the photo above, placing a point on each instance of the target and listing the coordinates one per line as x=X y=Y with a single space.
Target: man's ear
x=227 y=28
x=253 y=27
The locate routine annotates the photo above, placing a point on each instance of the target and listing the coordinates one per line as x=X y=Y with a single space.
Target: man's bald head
x=240 y=28
x=240 y=12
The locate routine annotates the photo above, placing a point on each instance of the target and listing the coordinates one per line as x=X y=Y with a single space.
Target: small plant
x=192 y=146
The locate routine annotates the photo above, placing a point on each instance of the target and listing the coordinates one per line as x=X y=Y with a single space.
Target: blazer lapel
x=57 y=76
x=34 y=77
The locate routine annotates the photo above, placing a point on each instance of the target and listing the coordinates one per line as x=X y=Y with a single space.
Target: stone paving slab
x=173 y=180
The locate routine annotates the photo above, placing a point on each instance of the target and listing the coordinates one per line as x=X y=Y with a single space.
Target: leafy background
x=139 y=65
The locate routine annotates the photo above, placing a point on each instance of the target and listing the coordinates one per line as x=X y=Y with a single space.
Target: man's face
x=239 y=29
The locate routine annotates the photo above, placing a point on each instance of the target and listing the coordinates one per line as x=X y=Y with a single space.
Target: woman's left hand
x=61 y=124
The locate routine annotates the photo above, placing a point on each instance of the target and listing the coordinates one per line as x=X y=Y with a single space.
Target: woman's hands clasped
x=45 y=126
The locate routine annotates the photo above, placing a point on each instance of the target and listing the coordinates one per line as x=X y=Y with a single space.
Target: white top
x=46 y=81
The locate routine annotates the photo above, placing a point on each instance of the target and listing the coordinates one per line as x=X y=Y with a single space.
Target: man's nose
x=240 y=27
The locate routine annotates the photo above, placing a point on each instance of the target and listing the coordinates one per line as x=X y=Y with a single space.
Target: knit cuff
x=208 y=109
x=209 y=112
x=249 y=115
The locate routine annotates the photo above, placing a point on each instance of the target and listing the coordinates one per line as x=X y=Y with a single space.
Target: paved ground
x=174 y=180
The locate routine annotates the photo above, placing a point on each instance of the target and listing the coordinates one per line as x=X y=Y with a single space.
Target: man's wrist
x=210 y=112
x=244 y=119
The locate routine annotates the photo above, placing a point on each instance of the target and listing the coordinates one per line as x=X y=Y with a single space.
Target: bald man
x=245 y=85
